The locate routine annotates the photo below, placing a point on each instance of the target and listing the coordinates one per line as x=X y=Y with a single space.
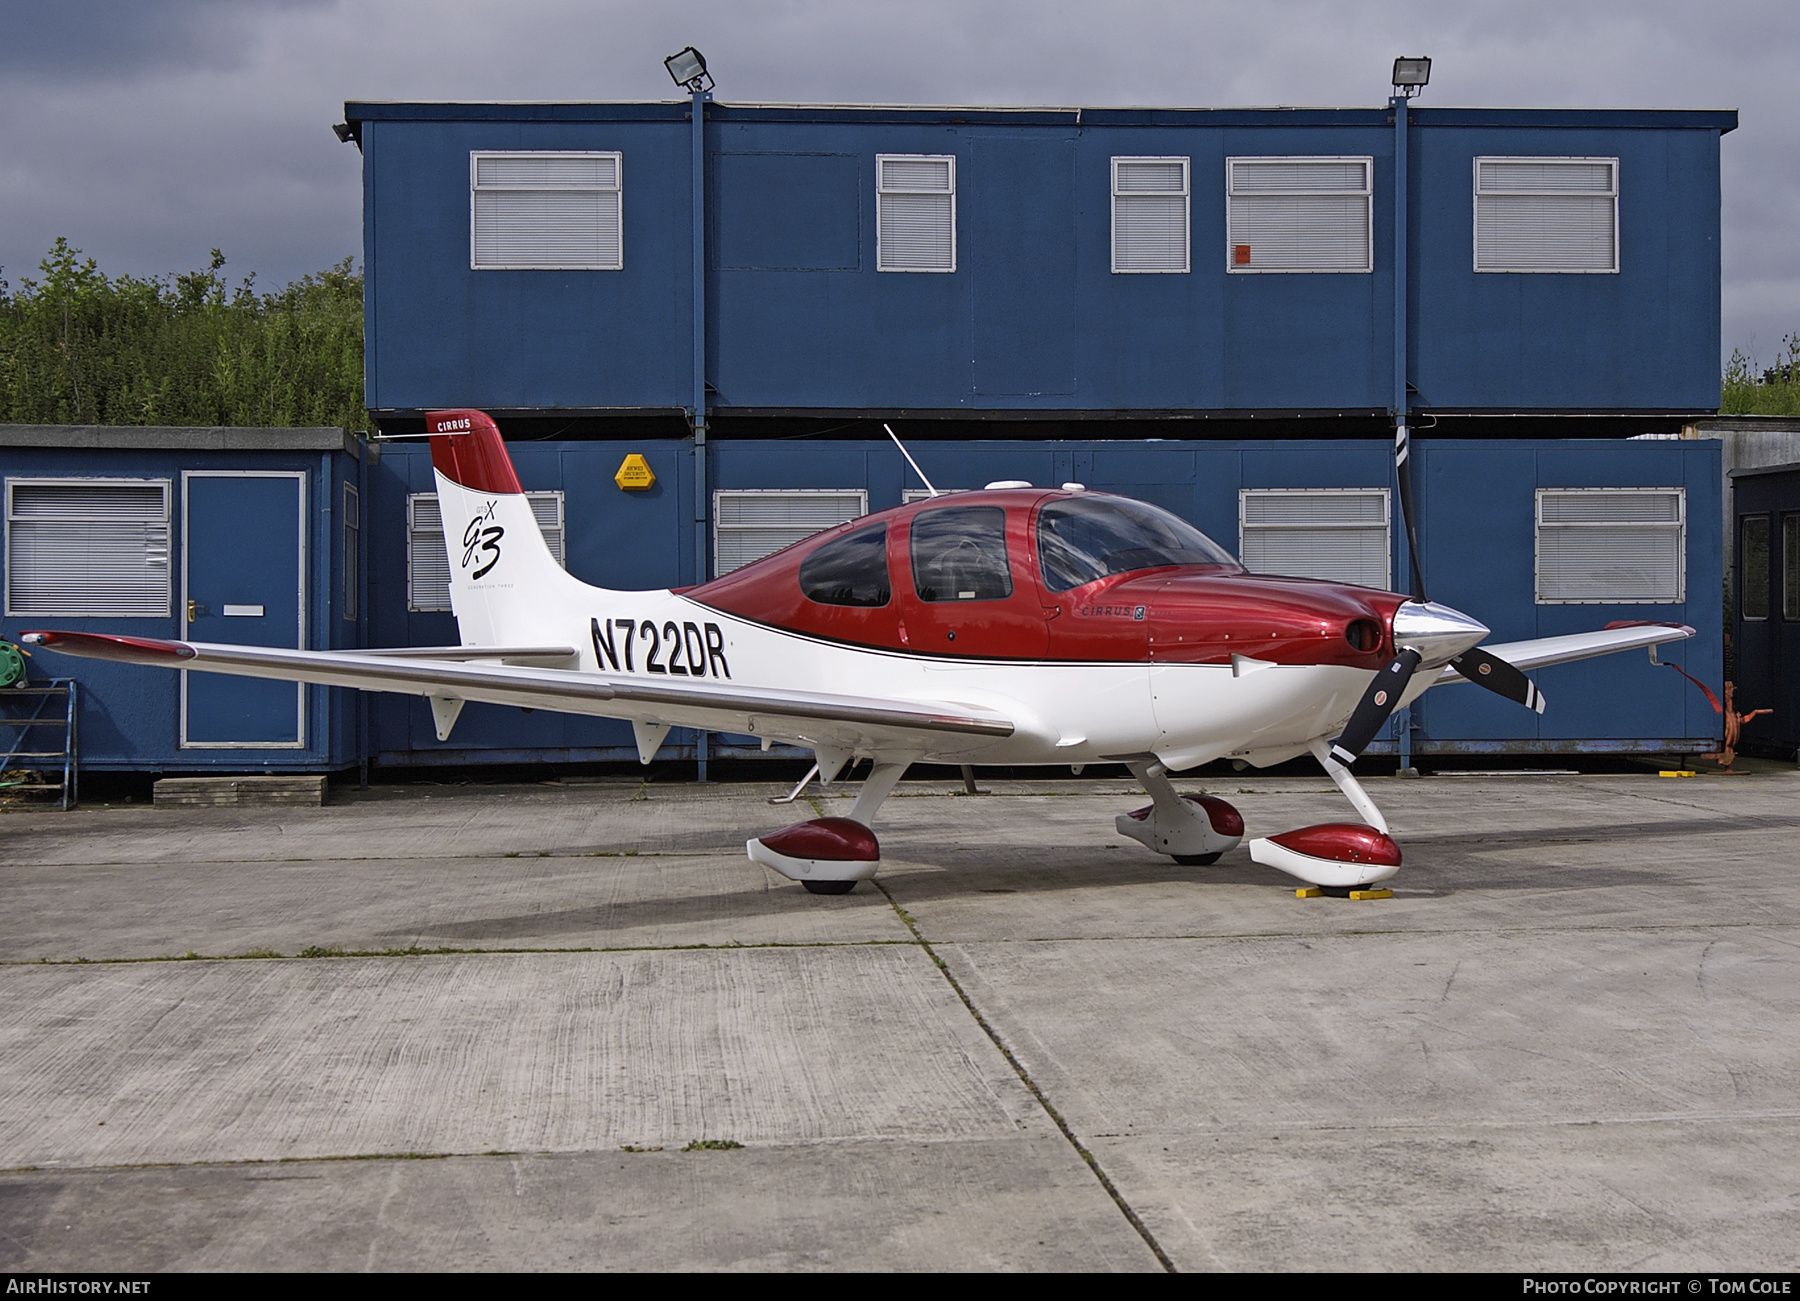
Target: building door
x=243 y=583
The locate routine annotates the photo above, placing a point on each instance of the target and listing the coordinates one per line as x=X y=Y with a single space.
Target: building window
x=428 y=562
x=749 y=524
x=545 y=211
x=1299 y=214
x=1340 y=535
x=352 y=550
x=1790 y=566
x=1611 y=546
x=88 y=548
x=915 y=212
x=1149 y=215
x=1753 y=567
x=1547 y=214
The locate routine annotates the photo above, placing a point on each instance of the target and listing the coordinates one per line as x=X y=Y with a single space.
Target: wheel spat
x=1494 y=673
x=1375 y=707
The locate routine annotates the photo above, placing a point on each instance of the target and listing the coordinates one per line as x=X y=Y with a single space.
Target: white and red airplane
x=1015 y=626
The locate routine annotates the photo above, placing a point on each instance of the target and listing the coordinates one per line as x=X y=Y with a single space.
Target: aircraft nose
x=1437 y=632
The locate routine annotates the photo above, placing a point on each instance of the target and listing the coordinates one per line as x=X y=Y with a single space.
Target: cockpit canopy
x=959 y=552
x=1081 y=539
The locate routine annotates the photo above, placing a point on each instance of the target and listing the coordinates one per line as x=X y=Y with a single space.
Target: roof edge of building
x=213 y=438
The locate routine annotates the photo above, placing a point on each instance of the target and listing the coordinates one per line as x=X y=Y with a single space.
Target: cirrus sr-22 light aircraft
x=1015 y=625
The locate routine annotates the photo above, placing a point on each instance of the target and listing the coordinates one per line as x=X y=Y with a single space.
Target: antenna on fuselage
x=915 y=465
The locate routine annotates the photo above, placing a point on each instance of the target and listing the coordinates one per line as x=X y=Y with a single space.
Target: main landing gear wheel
x=826 y=855
x=1197 y=860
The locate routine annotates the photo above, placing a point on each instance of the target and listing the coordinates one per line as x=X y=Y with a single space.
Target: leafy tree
x=187 y=349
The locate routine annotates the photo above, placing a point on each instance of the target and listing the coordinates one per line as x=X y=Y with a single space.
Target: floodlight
x=1411 y=75
x=688 y=68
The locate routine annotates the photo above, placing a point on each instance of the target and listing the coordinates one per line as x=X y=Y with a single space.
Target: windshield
x=1083 y=538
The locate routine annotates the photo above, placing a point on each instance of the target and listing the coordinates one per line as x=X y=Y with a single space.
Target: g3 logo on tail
x=485 y=541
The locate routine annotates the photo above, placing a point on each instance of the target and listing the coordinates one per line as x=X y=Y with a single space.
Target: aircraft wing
x=1545 y=651
x=808 y=717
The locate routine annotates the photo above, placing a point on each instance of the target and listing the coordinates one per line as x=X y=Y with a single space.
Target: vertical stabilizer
x=505 y=586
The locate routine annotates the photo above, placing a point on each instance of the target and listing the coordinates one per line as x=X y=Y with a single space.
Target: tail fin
x=505 y=586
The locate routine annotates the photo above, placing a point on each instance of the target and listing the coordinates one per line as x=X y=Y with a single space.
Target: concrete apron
x=1562 y=1045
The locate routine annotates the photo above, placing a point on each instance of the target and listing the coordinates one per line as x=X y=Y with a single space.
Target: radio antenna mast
x=915 y=465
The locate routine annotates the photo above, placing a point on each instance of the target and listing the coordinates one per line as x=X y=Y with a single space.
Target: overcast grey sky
x=148 y=132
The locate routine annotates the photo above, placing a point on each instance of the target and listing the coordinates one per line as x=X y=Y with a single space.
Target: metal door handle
x=195 y=610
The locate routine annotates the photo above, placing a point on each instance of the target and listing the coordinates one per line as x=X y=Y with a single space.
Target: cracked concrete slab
x=261 y=1060
x=1022 y=1203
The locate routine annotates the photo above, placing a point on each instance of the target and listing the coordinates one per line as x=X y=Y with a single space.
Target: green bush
x=78 y=348
x=1774 y=391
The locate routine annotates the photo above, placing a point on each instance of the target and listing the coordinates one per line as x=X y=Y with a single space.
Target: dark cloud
x=121 y=39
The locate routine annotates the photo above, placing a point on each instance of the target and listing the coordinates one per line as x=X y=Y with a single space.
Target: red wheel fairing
x=825 y=849
x=836 y=840
x=1332 y=854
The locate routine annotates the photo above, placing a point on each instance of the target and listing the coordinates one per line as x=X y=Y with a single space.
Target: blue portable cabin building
x=1192 y=306
x=251 y=536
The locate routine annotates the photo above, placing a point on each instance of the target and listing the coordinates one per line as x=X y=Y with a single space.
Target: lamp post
x=1410 y=77
x=688 y=69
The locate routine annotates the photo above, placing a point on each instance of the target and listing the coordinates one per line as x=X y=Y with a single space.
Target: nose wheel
x=1194 y=830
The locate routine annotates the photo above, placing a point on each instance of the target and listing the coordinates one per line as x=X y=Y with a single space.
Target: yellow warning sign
x=635 y=474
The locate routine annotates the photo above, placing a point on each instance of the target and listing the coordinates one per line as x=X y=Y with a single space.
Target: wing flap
x=721 y=708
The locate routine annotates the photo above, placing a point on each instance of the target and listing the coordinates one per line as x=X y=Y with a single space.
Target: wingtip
x=110 y=646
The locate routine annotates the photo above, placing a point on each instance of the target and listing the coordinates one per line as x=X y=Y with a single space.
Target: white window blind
x=915 y=212
x=1547 y=214
x=428 y=561
x=545 y=211
x=1611 y=546
x=1150 y=198
x=749 y=524
x=1299 y=214
x=88 y=548
x=1336 y=534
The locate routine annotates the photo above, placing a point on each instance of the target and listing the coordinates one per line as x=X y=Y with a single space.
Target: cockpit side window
x=851 y=570
x=1081 y=539
x=959 y=554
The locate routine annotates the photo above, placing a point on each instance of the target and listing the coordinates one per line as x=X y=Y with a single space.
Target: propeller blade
x=1374 y=708
x=1403 y=471
x=1498 y=676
